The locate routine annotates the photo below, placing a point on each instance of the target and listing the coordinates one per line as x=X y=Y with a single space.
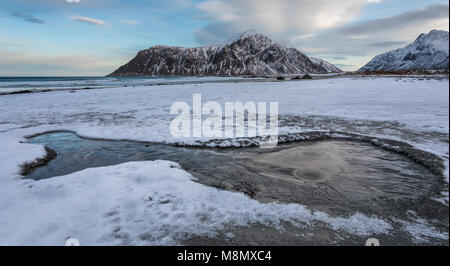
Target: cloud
x=91 y=21
x=388 y=44
x=28 y=63
x=10 y=45
x=432 y=12
x=345 y=66
x=360 y=42
x=27 y=18
x=321 y=28
x=281 y=19
x=129 y=22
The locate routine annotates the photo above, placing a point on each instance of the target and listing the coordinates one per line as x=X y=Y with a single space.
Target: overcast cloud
x=284 y=20
x=432 y=12
x=326 y=29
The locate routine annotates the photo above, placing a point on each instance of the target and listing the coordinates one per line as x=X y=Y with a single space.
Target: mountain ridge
x=428 y=52
x=247 y=54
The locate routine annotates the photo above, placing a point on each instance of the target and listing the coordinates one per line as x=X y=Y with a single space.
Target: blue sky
x=94 y=37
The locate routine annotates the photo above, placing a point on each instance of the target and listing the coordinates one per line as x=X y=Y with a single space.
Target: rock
x=327 y=65
x=248 y=54
x=28 y=168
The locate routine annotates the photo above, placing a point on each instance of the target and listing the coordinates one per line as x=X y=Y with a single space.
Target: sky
x=94 y=37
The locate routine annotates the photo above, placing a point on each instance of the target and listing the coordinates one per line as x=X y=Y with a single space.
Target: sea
x=36 y=84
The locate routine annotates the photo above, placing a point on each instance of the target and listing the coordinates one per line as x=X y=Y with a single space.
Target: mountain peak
x=434 y=34
x=250 y=34
x=439 y=35
x=247 y=54
x=440 y=32
x=428 y=52
x=162 y=46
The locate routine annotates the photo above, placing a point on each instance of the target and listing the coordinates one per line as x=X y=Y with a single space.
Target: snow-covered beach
x=110 y=205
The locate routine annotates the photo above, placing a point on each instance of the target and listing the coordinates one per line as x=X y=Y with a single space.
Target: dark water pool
x=337 y=176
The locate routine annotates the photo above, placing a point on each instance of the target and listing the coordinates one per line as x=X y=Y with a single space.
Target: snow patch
x=142 y=203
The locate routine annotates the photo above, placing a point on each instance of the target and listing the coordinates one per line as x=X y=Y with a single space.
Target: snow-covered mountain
x=250 y=53
x=427 y=52
x=327 y=65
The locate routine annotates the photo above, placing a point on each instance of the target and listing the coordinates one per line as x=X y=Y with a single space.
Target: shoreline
x=277 y=78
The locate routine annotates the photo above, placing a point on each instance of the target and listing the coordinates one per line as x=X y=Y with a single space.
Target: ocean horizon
x=14 y=84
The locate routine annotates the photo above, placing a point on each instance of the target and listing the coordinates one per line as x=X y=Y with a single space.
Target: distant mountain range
x=247 y=54
x=427 y=52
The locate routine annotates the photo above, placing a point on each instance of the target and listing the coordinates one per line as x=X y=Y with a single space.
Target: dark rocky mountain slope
x=247 y=54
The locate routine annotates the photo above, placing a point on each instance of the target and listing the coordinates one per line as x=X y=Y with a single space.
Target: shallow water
x=339 y=177
x=317 y=173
